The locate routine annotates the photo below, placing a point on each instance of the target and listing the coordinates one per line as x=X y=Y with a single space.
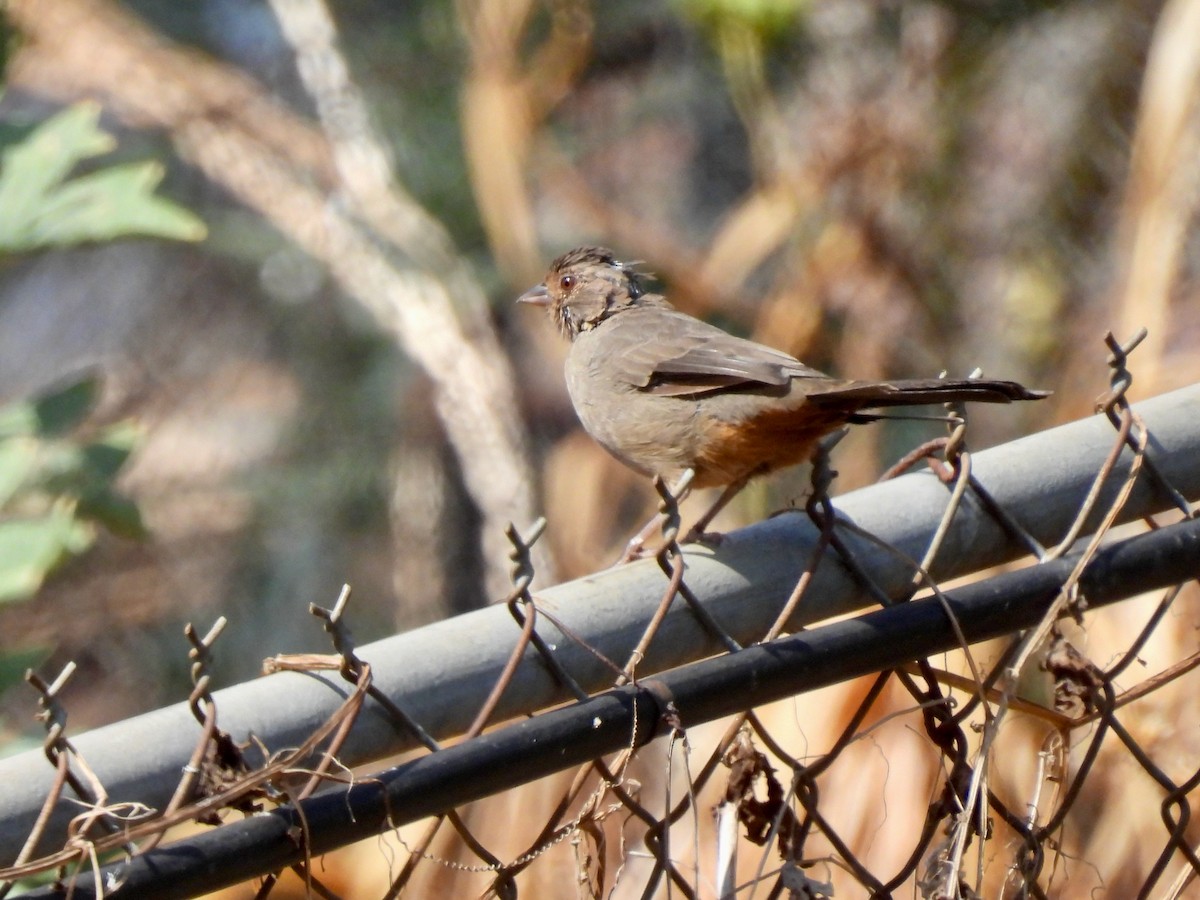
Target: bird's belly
x=749 y=434
x=654 y=435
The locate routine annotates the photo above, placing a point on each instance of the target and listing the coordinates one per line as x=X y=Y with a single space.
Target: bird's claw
x=634 y=550
x=706 y=538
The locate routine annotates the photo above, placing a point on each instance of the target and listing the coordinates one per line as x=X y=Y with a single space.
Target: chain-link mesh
x=1054 y=761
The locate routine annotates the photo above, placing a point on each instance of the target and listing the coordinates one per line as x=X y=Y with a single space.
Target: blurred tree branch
x=381 y=248
x=504 y=100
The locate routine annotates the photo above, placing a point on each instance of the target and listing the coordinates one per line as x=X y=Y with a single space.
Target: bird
x=667 y=393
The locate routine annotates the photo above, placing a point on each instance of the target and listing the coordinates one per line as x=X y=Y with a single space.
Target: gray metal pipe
x=440 y=674
x=700 y=692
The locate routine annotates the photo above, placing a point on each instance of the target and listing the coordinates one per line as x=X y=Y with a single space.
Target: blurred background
x=329 y=381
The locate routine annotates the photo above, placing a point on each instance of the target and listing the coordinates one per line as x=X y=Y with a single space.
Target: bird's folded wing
x=677 y=355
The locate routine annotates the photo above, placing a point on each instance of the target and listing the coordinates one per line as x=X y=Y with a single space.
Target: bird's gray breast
x=650 y=433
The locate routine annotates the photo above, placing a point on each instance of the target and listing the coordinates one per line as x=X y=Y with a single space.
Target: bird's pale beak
x=536 y=296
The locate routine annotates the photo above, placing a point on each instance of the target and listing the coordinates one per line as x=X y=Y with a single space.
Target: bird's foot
x=699 y=536
x=634 y=550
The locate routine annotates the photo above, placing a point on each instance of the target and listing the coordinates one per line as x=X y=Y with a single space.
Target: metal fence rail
x=633 y=715
x=1054 y=495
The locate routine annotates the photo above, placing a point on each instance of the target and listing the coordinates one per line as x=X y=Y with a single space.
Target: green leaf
x=18 y=418
x=118 y=514
x=33 y=167
x=124 y=435
x=31 y=548
x=111 y=203
x=61 y=469
x=64 y=408
x=15 y=133
x=103 y=460
x=53 y=413
x=15 y=663
x=41 y=207
x=18 y=465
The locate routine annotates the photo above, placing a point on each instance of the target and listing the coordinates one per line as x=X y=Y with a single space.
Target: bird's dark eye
x=567 y=282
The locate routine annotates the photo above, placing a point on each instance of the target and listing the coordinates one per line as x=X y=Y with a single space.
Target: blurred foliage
x=766 y=18
x=56 y=487
x=43 y=206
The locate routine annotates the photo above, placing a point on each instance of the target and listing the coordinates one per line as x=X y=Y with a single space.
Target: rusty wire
x=791 y=816
x=785 y=815
x=242 y=792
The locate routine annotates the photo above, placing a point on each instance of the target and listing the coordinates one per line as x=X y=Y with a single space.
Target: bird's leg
x=697 y=533
x=821 y=470
x=636 y=545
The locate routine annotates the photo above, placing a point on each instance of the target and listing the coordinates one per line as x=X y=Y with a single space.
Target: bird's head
x=584 y=287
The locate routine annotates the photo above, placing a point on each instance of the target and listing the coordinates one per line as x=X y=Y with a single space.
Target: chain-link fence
x=1015 y=768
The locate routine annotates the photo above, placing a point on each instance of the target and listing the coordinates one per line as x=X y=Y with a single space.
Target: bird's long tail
x=918 y=392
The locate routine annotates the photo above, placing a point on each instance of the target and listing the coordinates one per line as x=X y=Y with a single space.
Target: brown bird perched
x=665 y=392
